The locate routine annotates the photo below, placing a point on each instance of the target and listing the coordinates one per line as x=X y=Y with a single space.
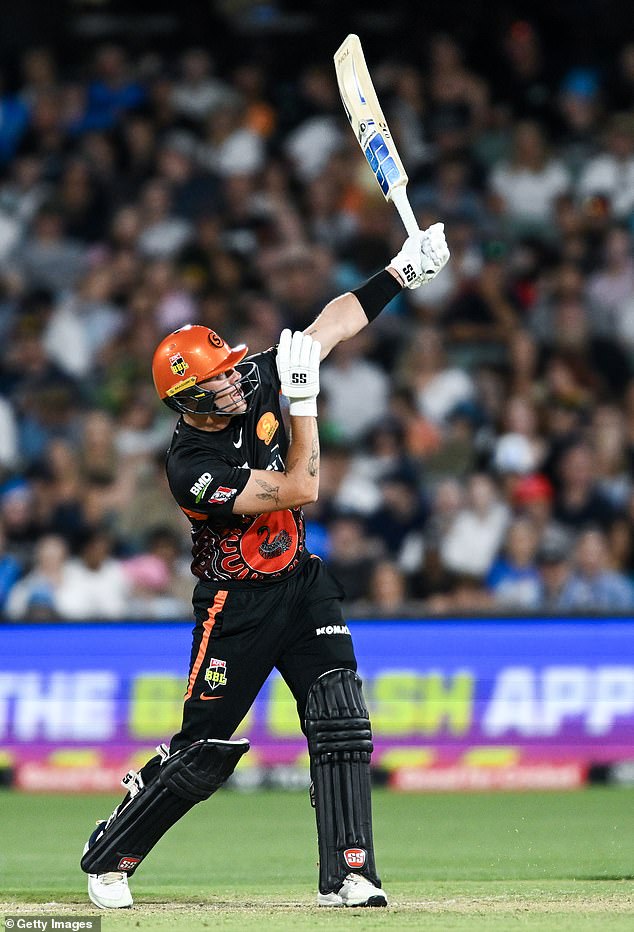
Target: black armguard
x=376 y=293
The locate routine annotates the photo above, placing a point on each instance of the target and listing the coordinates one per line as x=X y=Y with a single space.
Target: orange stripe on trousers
x=208 y=625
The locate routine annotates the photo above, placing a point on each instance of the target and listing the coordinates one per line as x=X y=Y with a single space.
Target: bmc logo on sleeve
x=354 y=858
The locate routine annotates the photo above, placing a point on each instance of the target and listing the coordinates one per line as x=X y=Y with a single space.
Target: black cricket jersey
x=207 y=470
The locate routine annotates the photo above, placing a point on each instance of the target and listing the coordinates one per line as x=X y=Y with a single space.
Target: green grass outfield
x=539 y=861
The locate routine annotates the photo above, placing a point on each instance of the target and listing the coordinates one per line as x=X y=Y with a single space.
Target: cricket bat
x=370 y=127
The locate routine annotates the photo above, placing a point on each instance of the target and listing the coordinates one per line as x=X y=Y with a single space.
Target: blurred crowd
x=478 y=438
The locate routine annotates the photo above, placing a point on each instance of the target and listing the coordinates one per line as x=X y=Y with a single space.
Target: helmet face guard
x=200 y=400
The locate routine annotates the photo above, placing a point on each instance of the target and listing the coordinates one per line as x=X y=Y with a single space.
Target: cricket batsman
x=261 y=600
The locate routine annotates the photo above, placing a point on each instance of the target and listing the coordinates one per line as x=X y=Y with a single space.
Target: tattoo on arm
x=270 y=493
x=313 y=460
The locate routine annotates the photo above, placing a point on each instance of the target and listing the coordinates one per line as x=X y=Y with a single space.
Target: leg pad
x=340 y=746
x=186 y=778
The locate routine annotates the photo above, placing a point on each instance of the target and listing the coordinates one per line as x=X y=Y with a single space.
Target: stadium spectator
x=579 y=500
x=163 y=235
x=387 y=592
x=580 y=112
x=94 y=584
x=482 y=317
x=197 y=93
x=555 y=568
x=514 y=579
x=356 y=389
x=22 y=194
x=445 y=503
x=36 y=595
x=484 y=519
x=526 y=187
x=457 y=96
x=613 y=283
x=352 y=554
x=159 y=577
x=532 y=497
x=114 y=88
x=593 y=585
x=399 y=520
x=437 y=385
x=611 y=172
x=526 y=79
x=49 y=259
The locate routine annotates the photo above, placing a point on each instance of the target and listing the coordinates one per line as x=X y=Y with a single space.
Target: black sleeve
x=206 y=486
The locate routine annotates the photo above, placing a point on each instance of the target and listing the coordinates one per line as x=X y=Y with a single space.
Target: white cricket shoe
x=355 y=891
x=110 y=890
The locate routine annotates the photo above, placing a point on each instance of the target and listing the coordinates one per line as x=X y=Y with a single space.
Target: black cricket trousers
x=241 y=635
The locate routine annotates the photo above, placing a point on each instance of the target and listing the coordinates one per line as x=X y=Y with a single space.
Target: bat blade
x=369 y=125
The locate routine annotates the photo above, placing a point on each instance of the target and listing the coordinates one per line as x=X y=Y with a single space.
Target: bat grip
x=399 y=198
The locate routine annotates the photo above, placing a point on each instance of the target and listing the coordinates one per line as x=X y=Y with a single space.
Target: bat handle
x=399 y=198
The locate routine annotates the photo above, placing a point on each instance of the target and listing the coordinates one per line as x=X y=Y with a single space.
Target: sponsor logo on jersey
x=332 y=629
x=354 y=858
x=201 y=485
x=266 y=427
x=216 y=673
x=221 y=495
x=128 y=864
x=178 y=364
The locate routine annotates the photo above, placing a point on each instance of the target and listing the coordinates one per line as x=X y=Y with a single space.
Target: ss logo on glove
x=298 y=369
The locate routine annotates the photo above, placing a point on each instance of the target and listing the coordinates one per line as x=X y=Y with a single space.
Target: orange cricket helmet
x=191 y=355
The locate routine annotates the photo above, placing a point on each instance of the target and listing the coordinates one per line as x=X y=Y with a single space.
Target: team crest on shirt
x=178 y=364
x=270 y=543
x=216 y=673
x=266 y=427
x=221 y=495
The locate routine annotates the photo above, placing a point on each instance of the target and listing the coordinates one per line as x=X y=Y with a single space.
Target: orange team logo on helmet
x=266 y=427
x=196 y=350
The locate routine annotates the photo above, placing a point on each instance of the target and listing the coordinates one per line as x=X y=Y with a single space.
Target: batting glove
x=422 y=257
x=298 y=369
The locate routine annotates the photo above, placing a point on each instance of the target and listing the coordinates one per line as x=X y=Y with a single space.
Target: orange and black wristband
x=376 y=293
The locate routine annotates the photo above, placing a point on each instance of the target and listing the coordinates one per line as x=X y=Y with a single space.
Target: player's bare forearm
x=268 y=490
x=303 y=454
x=341 y=319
